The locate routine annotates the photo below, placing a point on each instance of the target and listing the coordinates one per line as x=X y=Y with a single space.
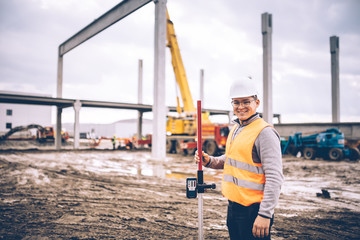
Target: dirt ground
x=105 y=194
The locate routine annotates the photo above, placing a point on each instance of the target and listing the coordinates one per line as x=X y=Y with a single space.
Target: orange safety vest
x=243 y=180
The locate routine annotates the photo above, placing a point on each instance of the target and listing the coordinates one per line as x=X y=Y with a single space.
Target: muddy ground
x=104 y=194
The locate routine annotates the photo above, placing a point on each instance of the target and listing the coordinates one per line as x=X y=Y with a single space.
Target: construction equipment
x=184 y=124
x=43 y=133
x=214 y=140
x=48 y=134
x=181 y=129
x=328 y=144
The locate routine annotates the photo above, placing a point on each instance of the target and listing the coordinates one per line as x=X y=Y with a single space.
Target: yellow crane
x=185 y=123
x=179 y=68
x=181 y=129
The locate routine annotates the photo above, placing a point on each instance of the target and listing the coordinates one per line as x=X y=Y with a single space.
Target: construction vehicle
x=43 y=134
x=213 y=141
x=328 y=144
x=185 y=122
x=181 y=129
x=48 y=134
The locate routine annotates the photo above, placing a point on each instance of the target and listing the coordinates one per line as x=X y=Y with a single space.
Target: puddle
x=123 y=163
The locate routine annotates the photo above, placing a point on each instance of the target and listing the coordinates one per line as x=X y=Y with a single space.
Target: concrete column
x=140 y=82
x=59 y=77
x=77 y=107
x=59 y=95
x=58 y=128
x=202 y=85
x=140 y=92
x=335 y=83
x=266 y=29
x=158 y=150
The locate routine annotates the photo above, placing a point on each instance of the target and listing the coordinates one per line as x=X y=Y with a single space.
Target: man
x=252 y=166
x=114 y=141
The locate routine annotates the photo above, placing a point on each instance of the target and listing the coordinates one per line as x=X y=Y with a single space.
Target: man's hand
x=206 y=158
x=261 y=227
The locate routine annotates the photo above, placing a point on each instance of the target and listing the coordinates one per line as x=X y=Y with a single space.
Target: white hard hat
x=245 y=87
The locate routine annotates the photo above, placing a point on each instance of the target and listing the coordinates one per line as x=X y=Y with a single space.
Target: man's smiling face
x=245 y=107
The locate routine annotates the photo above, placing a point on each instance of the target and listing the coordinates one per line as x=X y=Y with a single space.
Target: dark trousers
x=240 y=220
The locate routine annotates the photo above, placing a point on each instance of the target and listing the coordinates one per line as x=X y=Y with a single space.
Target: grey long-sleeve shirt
x=266 y=151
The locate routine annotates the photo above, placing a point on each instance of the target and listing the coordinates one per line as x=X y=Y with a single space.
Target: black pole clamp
x=197 y=185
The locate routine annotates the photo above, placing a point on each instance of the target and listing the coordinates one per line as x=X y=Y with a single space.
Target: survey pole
x=195 y=186
x=335 y=83
x=158 y=148
x=202 y=85
x=266 y=30
x=200 y=176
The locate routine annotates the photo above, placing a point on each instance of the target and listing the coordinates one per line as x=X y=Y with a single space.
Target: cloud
x=222 y=37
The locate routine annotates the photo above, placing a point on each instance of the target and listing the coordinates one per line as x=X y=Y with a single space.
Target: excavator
x=181 y=129
x=43 y=134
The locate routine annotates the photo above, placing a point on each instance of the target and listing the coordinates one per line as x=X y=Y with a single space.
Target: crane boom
x=179 y=68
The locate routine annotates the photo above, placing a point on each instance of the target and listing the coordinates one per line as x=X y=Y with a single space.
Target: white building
x=14 y=115
x=122 y=129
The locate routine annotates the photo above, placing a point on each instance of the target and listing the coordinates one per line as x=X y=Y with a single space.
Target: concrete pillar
x=202 y=85
x=140 y=91
x=58 y=128
x=59 y=77
x=266 y=29
x=158 y=149
x=335 y=83
x=77 y=107
x=59 y=95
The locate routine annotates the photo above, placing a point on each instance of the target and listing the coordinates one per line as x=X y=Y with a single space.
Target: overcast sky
x=222 y=37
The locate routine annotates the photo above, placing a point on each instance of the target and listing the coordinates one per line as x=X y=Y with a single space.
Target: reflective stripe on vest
x=245 y=166
x=244 y=183
x=243 y=180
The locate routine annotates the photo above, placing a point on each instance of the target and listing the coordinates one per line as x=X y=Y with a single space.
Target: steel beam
x=112 y=16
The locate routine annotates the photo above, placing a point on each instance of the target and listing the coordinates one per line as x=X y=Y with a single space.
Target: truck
x=213 y=140
x=328 y=144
